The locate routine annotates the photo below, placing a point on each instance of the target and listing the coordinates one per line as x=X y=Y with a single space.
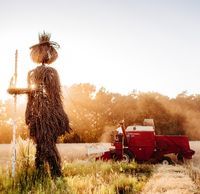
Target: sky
x=122 y=45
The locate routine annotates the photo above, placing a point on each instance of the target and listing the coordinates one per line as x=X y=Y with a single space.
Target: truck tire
x=180 y=158
x=166 y=160
x=127 y=156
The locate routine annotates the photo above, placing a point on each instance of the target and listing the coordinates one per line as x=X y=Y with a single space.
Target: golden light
x=32 y=86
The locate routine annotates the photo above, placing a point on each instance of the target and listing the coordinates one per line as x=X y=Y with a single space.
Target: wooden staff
x=15 y=91
x=13 y=85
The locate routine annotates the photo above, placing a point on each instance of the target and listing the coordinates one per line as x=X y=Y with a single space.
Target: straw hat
x=45 y=51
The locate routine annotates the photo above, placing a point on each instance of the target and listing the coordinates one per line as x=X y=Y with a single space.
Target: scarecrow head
x=45 y=51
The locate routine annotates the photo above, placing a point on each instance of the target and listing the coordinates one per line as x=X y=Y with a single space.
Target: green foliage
x=100 y=109
x=31 y=182
x=93 y=112
x=80 y=177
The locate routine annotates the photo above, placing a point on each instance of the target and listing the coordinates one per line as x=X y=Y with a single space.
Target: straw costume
x=45 y=115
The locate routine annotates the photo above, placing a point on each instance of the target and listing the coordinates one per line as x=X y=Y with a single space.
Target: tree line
x=94 y=114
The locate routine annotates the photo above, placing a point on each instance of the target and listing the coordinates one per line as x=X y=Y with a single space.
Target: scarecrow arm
x=20 y=91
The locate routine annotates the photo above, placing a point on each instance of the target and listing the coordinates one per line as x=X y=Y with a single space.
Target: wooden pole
x=14 y=118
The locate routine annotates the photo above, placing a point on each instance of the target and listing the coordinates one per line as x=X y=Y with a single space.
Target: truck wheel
x=180 y=157
x=166 y=160
x=127 y=156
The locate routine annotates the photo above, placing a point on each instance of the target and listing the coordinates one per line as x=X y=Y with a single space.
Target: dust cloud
x=107 y=134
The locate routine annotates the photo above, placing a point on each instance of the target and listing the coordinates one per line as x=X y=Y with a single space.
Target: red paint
x=145 y=146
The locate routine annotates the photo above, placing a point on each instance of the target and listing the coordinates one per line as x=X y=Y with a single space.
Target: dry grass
x=73 y=151
x=177 y=179
x=102 y=178
x=194 y=166
x=69 y=152
x=194 y=173
x=79 y=177
x=170 y=180
x=166 y=179
x=195 y=145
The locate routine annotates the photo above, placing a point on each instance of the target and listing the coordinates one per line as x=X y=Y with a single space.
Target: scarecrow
x=45 y=115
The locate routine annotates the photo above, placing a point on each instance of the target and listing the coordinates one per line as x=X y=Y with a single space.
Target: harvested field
x=177 y=179
x=68 y=152
x=170 y=180
x=195 y=145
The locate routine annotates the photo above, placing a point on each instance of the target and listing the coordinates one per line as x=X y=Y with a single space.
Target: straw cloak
x=45 y=116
